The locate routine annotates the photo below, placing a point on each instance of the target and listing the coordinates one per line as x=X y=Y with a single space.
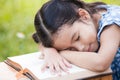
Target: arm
x=110 y=41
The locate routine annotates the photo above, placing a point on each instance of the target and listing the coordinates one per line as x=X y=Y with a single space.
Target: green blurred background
x=16 y=25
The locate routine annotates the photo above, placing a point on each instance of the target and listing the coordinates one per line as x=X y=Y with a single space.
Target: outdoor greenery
x=16 y=26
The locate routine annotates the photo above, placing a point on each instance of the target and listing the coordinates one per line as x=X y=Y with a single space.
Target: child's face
x=79 y=36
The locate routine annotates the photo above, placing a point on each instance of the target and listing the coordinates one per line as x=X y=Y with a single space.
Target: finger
x=63 y=67
x=44 y=66
x=52 y=69
x=67 y=64
x=58 y=69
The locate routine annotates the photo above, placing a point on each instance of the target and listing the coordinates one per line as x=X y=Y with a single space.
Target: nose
x=79 y=47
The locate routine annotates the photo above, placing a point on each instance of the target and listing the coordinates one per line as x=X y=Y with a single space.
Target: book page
x=34 y=64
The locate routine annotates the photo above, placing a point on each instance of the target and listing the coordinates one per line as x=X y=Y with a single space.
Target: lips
x=89 y=49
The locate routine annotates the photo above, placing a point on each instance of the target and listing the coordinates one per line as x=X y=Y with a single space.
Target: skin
x=79 y=40
x=110 y=41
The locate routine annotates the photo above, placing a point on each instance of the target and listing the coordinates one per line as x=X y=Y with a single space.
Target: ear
x=84 y=15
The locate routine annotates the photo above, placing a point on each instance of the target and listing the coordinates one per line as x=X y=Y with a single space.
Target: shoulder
x=110 y=40
x=110 y=35
x=112 y=16
x=111 y=29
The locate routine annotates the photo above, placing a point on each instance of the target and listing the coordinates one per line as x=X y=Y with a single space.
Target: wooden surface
x=8 y=73
x=105 y=77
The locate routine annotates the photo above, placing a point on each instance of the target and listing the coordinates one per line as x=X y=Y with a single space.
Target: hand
x=54 y=61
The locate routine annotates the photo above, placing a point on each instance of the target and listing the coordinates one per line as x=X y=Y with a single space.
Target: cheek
x=91 y=35
x=88 y=38
x=93 y=38
x=95 y=46
x=88 y=33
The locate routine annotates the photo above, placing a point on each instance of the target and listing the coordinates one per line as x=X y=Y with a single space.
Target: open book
x=30 y=66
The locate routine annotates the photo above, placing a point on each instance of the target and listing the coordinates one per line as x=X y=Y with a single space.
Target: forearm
x=88 y=60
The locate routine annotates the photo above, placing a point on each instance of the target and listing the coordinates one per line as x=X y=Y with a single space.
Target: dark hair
x=54 y=14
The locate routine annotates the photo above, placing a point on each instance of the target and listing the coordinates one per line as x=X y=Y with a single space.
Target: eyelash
x=77 y=38
x=72 y=49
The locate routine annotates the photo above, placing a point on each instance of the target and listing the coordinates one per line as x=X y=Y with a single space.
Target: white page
x=34 y=63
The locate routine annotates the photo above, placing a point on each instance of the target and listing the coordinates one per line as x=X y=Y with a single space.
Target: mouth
x=89 y=49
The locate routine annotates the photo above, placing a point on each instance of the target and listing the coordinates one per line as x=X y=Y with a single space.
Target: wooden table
x=8 y=73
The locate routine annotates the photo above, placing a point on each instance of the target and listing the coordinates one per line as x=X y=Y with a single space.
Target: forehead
x=62 y=39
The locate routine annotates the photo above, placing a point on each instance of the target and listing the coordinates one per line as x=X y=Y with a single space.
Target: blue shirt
x=112 y=16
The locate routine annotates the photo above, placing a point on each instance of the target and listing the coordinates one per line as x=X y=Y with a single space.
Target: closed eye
x=77 y=38
x=72 y=49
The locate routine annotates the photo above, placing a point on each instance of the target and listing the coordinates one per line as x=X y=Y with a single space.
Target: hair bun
x=35 y=38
